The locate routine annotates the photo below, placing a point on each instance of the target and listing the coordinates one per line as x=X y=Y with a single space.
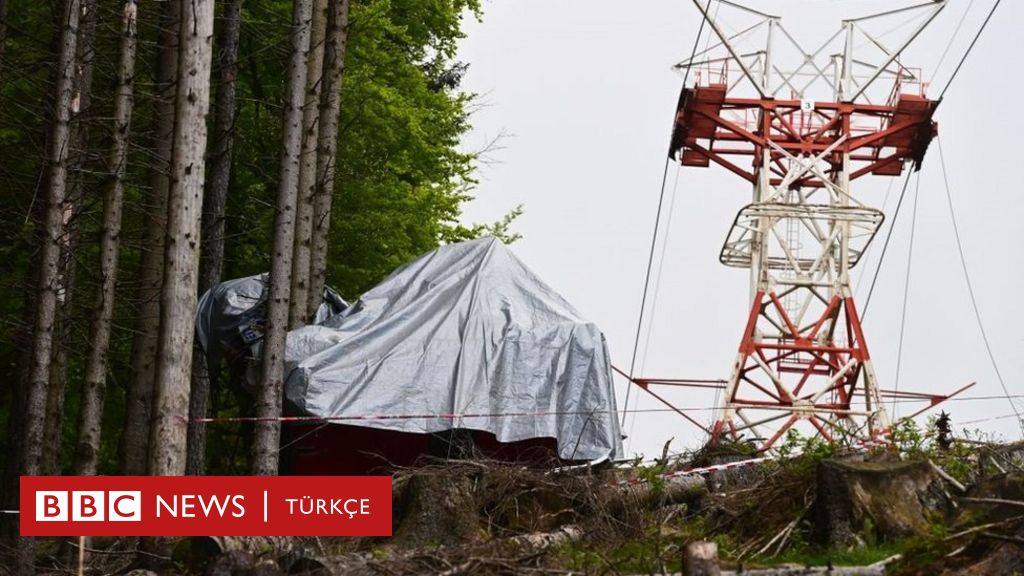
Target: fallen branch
x=1002 y=537
x=945 y=476
x=834 y=571
x=132 y=552
x=982 y=527
x=957 y=551
x=195 y=552
x=544 y=540
x=673 y=490
x=886 y=561
x=472 y=558
x=993 y=501
x=785 y=530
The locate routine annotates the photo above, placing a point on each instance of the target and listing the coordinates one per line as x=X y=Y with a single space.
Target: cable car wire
x=956 y=32
x=906 y=291
x=654 y=236
x=970 y=289
x=969 y=48
x=885 y=247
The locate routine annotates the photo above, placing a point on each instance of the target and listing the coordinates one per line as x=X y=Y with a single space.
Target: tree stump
x=860 y=502
x=439 y=509
x=701 y=559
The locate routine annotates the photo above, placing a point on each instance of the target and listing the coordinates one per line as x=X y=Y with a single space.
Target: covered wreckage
x=465 y=337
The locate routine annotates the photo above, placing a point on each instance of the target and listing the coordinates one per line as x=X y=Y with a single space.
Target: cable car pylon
x=800 y=137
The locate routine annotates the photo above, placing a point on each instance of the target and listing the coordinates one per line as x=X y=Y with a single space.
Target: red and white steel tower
x=800 y=137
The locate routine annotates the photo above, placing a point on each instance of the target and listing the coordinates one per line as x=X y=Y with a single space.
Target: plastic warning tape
x=706 y=470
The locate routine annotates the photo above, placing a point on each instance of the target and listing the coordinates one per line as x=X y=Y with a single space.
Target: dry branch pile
x=479 y=517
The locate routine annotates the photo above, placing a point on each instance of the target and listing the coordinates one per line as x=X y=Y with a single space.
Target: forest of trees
x=149 y=150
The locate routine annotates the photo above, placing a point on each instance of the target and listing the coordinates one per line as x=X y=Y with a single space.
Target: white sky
x=586 y=93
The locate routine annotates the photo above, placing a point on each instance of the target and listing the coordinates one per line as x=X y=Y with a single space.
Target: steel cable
x=970 y=289
x=969 y=48
x=956 y=32
x=885 y=247
x=654 y=238
x=906 y=291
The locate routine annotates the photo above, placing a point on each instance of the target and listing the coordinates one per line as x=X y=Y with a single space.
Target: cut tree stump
x=701 y=559
x=859 y=501
x=439 y=509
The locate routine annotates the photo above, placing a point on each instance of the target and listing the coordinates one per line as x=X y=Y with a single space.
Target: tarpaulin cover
x=230 y=319
x=464 y=330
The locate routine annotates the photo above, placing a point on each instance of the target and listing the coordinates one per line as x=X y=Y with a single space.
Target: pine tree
x=90 y=420
x=268 y=395
x=48 y=263
x=139 y=401
x=181 y=256
x=218 y=183
x=327 y=149
x=307 y=168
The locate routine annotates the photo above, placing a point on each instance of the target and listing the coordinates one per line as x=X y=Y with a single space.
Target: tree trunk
x=307 y=168
x=53 y=427
x=90 y=420
x=53 y=435
x=211 y=259
x=138 y=405
x=181 y=256
x=48 y=263
x=327 y=149
x=219 y=181
x=268 y=397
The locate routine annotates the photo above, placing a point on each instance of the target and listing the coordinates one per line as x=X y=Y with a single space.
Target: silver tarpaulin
x=230 y=320
x=465 y=336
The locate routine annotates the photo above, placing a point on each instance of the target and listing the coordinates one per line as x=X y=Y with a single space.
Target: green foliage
x=858 y=556
x=909 y=439
x=653 y=552
x=957 y=458
x=500 y=229
x=804 y=452
x=653 y=476
x=401 y=179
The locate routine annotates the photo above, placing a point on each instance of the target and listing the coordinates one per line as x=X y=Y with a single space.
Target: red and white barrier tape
x=452 y=416
x=703 y=471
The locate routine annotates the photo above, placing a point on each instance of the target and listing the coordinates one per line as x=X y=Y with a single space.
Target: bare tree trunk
x=268 y=396
x=218 y=184
x=307 y=168
x=53 y=427
x=327 y=148
x=53 y=434
x=138 y=405
x=48 y=264
x=181 y=256
x=211 y=259
x=90 y=420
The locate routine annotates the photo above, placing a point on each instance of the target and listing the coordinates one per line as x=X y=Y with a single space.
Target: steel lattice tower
x=803 y=353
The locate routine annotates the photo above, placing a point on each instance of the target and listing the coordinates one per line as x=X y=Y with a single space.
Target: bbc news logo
x=205 y=505
x=89 y=506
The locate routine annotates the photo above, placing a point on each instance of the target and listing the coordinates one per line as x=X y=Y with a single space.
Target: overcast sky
x=586 y=94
